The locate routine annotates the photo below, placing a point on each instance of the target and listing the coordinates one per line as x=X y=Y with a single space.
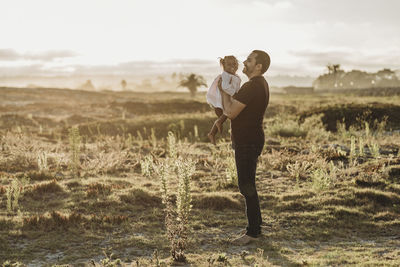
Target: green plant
x=153 y=137
x=139 y=137
x=320 y=179
x=129 y=141
x=361 y=146
x=374 y=149
x=108 y=261
x=196 y=132
x=298 y=170
x=42 y=161
x=146 y=166
x=177 y=218
x=353 y=152
x=74 y=145
x=185 y=170
x=380 y=126
x=172 y=149
x=367 y=131
x=8 y=263
x=259 y=258
x=230 y=170
x=14 y=191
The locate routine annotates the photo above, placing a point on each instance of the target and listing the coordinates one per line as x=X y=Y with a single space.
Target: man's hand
x=232 y=107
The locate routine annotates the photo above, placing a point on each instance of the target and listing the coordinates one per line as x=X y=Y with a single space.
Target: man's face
x=250 y=64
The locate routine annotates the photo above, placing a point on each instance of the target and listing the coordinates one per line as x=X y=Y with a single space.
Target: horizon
x=128 y=38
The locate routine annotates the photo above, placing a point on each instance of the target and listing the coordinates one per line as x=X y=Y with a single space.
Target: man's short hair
x=263 y=59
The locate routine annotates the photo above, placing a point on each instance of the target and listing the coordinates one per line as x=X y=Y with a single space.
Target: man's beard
x=245 y=70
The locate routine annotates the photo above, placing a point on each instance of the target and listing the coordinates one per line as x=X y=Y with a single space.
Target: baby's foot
x=211 y=137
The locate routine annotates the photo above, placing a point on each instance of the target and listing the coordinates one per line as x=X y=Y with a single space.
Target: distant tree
x=387 y=78
x=336 y=68
x=338 y=78
x=329 y=67
x=333 y=68
x=88 y=86
x=123 y=84
x=192 y=82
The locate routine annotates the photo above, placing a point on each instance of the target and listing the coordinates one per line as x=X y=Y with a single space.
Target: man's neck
x=253 y=75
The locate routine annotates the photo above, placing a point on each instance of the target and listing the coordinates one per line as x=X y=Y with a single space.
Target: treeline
x=336 y=78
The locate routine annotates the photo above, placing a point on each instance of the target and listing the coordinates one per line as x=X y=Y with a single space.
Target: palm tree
x=336 y=68
x=192 y=82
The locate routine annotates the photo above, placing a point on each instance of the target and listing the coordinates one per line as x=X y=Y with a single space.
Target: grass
x=321 y=206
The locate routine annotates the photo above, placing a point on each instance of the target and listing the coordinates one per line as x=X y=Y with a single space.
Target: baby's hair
x=226 y=58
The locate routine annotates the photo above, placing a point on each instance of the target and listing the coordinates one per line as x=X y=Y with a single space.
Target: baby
x=230 y=84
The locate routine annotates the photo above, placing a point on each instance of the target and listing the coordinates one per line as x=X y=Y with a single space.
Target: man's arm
x=232 y=107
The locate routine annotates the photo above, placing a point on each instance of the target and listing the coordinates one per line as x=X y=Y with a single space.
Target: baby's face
x=231 y=66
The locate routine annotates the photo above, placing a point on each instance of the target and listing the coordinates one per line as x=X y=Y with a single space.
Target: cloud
x=46 y=56
x=9 y=55
x=130 y=68
x=29 y=70
x=151 y=67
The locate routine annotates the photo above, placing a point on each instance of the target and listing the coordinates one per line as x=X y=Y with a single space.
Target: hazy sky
x=301 y=36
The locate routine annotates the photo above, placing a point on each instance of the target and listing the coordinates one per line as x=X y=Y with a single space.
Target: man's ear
x=259 y=67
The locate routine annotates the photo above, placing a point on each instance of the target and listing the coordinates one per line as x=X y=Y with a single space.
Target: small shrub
x=177 y=218
x=321 y=179
x=172 y=147
x=146 y=166
x=298 y=170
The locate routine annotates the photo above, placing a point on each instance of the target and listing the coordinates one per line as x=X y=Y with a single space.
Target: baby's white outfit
x=230 y=84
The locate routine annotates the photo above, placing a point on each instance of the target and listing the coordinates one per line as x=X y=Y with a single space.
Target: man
x=246 y=110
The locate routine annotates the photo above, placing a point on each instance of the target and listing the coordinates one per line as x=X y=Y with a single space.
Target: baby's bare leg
x=219 y=112
x=217 y=126
x=218 y=123
x=212 y=133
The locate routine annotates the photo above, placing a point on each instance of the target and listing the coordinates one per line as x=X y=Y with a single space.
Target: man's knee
x=247 y=190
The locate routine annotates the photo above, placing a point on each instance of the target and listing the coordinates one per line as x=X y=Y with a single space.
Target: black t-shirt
x=247 y=127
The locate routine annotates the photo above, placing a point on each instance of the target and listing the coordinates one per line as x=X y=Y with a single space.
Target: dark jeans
x=246 y=157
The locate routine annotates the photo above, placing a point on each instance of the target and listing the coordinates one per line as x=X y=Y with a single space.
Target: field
x=84 y=178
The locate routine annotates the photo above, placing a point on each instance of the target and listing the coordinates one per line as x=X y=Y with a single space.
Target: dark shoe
x=244 y=231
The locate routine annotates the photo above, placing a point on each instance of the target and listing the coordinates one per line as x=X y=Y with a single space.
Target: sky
x=131 y=36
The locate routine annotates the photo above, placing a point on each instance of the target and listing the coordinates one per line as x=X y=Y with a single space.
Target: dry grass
x=335 y=211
